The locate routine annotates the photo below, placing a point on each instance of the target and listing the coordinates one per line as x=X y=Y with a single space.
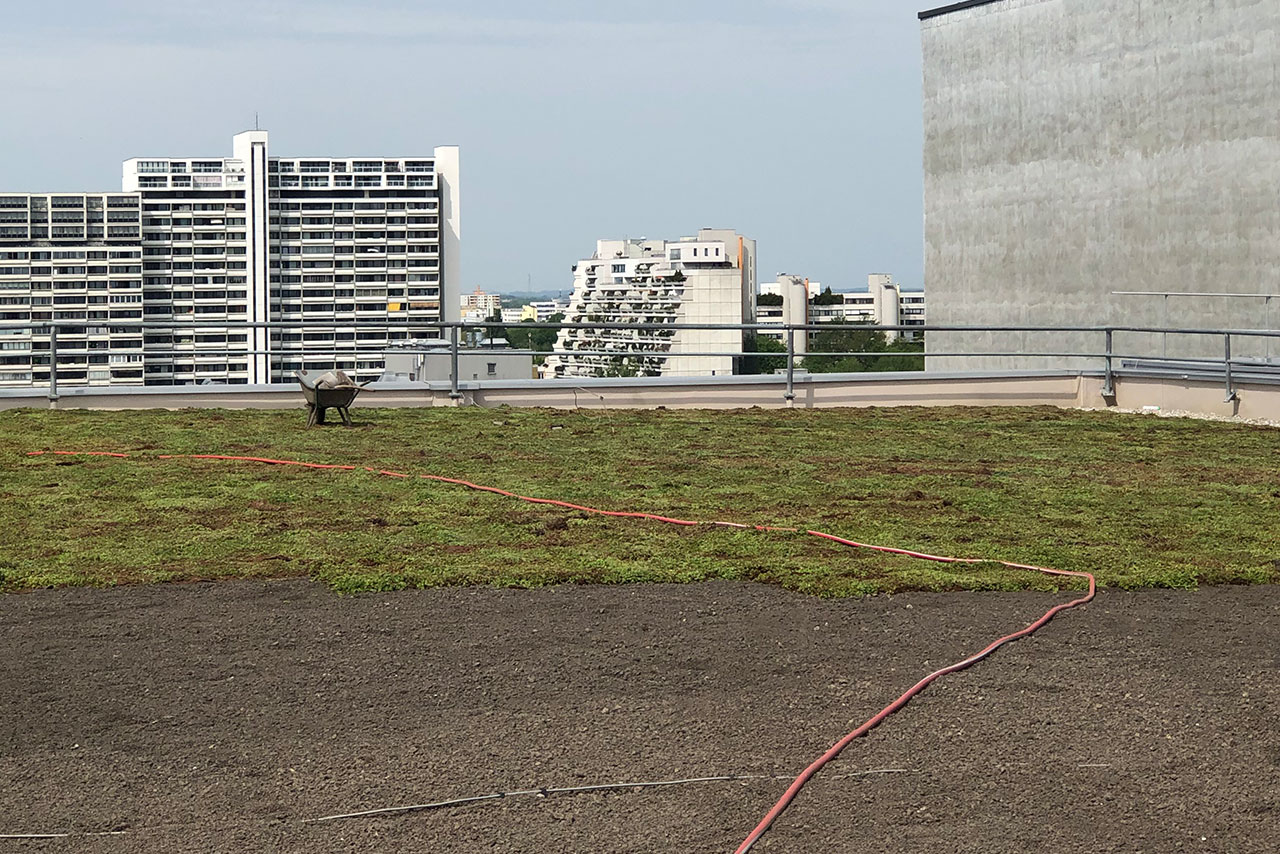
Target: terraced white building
x=709 y=278
x=250 y=237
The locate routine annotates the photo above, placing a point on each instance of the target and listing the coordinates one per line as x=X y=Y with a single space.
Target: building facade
x=252 y=237
x=709 y=278
x=541 y=311
x=1083 y=158
x=789 y=307
x=786 y=280
x=431 y=361
x=883 y=303
x=74 y=257
x=486 y=304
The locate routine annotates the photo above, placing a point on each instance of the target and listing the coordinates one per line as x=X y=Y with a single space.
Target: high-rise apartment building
x=360 y=243
x=71 y=256
x=709 y=278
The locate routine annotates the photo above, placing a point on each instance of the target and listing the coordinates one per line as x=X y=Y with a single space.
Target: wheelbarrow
x=330 y=390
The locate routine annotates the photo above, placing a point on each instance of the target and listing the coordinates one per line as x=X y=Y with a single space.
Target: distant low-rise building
x=484 y=315
x=430 y=360
x=478 y=301
x=785 y=280
x=883 y=303
x=541 y=311
x=794 y=294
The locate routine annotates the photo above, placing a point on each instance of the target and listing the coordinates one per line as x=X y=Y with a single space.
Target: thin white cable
x=454 y=802
x=591 y=788
x=59 y=835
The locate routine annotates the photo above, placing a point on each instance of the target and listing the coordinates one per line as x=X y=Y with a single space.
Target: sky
x=796 y=122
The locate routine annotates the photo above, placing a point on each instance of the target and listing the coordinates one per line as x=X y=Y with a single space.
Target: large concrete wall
x=1078 y=147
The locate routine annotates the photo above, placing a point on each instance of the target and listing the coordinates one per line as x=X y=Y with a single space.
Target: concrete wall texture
x=1078 y=147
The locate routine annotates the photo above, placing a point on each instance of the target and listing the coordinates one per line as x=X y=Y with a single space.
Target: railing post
x=791 y=366
x=1226 y=361
x=1109 y=380
x=454 y=394
x=1267 y=320
x=53 y=363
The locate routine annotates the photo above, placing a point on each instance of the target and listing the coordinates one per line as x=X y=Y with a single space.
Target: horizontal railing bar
x=334 y=354
x=1190 y=294
x=917 y=354
x=1208 y=360
x=72 y=354
x=409 y=324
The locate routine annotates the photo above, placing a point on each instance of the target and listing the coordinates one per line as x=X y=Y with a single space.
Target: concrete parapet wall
x=1066 y=389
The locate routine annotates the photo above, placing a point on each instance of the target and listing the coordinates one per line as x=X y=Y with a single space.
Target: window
x=619 y=268
x=492 y=368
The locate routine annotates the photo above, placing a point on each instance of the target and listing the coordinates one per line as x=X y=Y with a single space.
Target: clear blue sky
x=795 y=121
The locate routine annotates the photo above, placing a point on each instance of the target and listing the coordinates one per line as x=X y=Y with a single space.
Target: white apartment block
x=357 y=242
x=480 y=315
x=884 y=303
x=708 y=278
x=795 y=292
x=541 y=311
x=72 y=256
x=785 y=280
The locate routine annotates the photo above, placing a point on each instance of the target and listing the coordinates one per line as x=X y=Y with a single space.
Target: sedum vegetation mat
x=1137 y=500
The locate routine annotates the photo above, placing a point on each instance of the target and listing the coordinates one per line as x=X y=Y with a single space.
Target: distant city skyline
x=796 y=121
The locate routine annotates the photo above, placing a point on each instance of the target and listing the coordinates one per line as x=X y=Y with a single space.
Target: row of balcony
x=289 y=167
x=289 y=182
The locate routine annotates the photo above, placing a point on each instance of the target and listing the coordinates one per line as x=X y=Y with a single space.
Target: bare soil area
x=216 y=717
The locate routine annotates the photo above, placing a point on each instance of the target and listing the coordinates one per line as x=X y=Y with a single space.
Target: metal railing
x=437 y=336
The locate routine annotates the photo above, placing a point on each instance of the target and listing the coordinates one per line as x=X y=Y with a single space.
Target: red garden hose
x=836 y=748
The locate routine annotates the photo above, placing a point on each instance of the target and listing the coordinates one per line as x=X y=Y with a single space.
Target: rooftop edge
x=954 y=7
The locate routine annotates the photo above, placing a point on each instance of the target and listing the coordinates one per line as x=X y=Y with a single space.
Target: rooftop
x=984 y=482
